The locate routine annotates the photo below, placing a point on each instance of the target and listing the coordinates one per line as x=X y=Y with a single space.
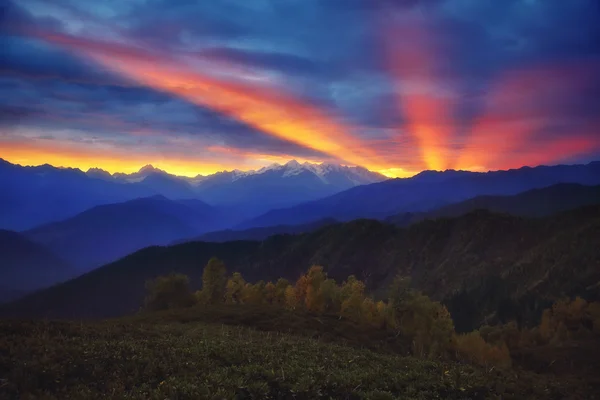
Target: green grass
x=179 y=356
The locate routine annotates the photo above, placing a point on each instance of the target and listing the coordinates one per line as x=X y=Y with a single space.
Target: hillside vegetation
x=484 y=267
x=193 y=360
x=315 y=339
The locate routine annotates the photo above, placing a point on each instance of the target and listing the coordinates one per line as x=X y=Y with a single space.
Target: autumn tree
x=329 y=293
x=353 y=291
x=254 y=294
x=280 y=287
x=235 y=286
x=369 y=311
x=473 y=348
x=214 y=281
x=167 y=292
x=314 y=300
x=300 y=289
x=416 y=316
x=568 y=320
x=270 y=293
x=344 y=292
x=383 y=314
x=291 y=299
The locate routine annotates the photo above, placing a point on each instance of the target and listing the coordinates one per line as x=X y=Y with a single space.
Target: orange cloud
x=272 y=112
x=553 y=151
x=423 y=98
x=520 y=105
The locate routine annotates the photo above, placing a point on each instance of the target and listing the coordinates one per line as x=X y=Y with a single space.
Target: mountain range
x=33 y=196
x=108 y=232
x=532 y=203
x=111 y=231
x=257 y=190
x=426 y=191
x=484 y=266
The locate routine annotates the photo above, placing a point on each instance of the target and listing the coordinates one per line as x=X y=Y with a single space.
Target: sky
x=396 y=86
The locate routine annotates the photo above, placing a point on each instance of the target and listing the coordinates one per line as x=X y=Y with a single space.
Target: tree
x=352 y=305
x=474 y=348
x=235 y=286
x=270 y=293
x=314 y=299
x=167 y=292
x=280 y=287
x=329 y=293
x=383 y=314
x=214 y=281
x=344 y=292
x=254 y=294
x=291 y=299
x=568 y=320
x=369 y=311
x=427 y=323
x=400 y=293
x=300 y=288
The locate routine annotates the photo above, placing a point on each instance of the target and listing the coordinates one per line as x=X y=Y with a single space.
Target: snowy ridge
x=326 y=172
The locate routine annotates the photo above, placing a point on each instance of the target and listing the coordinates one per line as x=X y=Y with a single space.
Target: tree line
x=409 y=314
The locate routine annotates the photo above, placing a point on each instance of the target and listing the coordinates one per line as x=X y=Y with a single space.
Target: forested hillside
x=484 y=266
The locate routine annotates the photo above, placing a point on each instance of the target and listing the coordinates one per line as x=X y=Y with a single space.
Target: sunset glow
x=421 y=97
x=424 y=86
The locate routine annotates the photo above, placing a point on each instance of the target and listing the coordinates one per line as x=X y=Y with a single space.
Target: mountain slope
x=424 y=192
x=108 y=232
x=26 y=266
x=31 y=196
x=510 y=267
x=533 y=203
x=259 y=233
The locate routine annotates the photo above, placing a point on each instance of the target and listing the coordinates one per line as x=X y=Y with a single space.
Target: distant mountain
x=426 y=191
x=26 y=266
x=282 y=185
x=533 y=203
x=484 y=266
x=171 y=186
x=108 y=232
x=256 y=191
x=30 y=196
x=259 y=233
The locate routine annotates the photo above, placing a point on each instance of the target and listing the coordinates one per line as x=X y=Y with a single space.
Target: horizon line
x=196 y=175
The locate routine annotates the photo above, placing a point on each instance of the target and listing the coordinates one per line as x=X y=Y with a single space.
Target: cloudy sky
x=397 y=86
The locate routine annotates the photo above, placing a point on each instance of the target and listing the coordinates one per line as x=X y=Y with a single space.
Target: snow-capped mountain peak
x=329 y=174
x=293 y=167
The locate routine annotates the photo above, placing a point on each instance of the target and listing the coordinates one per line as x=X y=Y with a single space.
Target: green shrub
x=168 y=292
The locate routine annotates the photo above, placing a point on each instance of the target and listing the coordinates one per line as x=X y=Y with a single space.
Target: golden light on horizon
x=116 y=161
x=397 y=173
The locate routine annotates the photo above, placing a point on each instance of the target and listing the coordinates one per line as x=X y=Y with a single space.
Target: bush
x=426 y=323
x=473 y=348
x=235 y=286
x=569 y=320
x=168 y=292
x=508 y=333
